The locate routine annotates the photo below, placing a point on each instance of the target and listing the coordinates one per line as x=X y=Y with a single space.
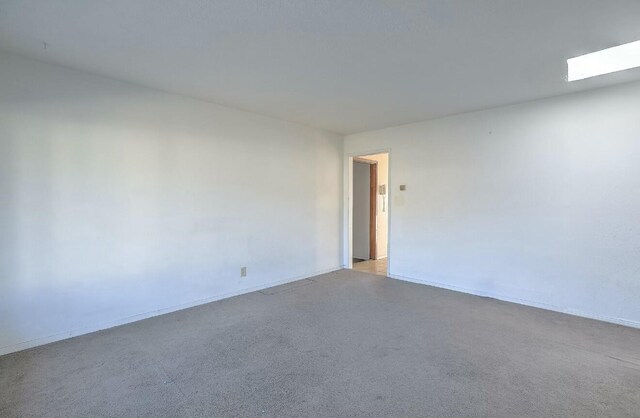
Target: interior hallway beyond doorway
x=378 y=267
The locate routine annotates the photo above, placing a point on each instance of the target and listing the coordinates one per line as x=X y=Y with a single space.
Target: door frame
x=373 y=205
x=347 y=223
x=373 y=211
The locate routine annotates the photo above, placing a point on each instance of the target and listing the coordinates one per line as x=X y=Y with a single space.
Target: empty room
x=319 y=208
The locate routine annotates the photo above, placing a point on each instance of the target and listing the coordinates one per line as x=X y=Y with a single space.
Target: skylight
x=607 y=61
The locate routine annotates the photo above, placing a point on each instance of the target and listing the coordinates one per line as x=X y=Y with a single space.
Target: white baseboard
x=569 y=311
x=122 y=321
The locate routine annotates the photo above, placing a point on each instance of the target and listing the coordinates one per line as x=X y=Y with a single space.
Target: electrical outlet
x=243 y=272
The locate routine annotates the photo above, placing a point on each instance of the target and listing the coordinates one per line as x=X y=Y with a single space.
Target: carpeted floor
x=338 y=345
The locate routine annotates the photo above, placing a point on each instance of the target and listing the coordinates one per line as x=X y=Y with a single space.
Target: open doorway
x=370 y=213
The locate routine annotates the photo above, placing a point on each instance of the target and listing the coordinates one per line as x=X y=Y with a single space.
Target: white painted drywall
x=537 y=203
x=361 y=209
x=382 y=204
x=119 y=202
x=346 y=66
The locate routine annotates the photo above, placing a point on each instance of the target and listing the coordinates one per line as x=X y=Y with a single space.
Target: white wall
x=537 y=203
x=361 y=209
x=119 y=202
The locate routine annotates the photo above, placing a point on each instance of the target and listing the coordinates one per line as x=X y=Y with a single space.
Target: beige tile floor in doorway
x=378 y=267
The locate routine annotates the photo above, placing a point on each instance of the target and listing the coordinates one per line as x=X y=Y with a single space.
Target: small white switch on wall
x=243 y=272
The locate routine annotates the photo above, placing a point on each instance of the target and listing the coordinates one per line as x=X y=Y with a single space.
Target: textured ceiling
x=345 y=66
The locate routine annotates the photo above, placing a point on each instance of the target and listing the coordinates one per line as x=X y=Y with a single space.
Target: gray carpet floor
x=338 y=345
